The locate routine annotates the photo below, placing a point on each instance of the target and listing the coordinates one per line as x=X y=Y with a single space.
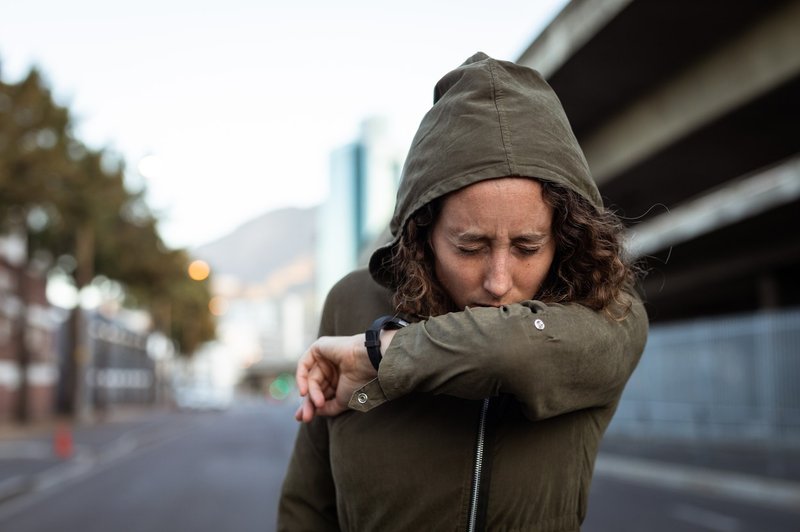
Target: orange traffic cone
x=62 y=441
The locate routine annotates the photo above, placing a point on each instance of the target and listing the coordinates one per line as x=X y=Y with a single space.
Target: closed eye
x=468 y=250
x=528 y=251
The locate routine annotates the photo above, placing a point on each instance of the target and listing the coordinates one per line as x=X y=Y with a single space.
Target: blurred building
x=122 y=368
x=36 y=349
x=272 y=274
x=264 y=327
x=263 y=287
x=28 y=361
x=363 y=184
x=689 y=115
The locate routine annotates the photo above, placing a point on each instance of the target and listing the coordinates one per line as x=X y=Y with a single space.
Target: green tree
x=33 y=133
x=67 y=200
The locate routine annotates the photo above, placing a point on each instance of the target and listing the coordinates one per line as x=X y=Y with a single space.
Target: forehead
x=507 y=201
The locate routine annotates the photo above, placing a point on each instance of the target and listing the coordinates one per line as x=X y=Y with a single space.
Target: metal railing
x=734 y=379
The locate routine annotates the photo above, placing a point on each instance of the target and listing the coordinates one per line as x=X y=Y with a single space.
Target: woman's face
x=493 y=243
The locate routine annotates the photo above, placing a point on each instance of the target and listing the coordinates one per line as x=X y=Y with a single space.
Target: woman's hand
x=329 y=372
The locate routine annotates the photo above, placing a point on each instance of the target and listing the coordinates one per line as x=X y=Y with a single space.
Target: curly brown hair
x=589 y=266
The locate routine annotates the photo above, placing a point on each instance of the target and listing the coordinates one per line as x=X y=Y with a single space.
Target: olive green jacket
x=485 y=419
x=555 y=374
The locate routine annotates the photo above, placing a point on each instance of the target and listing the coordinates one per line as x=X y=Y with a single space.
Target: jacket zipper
x=476 y=478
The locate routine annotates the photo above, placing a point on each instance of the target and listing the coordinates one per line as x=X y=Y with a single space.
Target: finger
x=316 y=382
x=301 y=378
x=308 y=411
x=323 y=381
x=304 y=365
x=300 y=412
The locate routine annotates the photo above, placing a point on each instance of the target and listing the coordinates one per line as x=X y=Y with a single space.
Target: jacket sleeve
x=552 y=358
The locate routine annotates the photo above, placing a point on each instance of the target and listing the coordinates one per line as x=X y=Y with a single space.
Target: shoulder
x=353 y=303
x=359 y=278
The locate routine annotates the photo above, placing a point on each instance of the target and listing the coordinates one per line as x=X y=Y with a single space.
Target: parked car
x=203 y=397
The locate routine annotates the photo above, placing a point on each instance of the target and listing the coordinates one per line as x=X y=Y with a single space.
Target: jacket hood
x=489 y=119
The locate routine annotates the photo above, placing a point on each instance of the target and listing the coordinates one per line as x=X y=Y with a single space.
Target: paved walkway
x=762 y=460
x=768 y=476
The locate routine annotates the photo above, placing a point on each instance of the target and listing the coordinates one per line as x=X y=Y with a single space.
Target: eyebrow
x=530 y=238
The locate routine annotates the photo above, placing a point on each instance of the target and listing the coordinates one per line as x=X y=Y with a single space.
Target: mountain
x=263 y=245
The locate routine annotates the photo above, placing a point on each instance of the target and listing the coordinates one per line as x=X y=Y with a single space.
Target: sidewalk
x=754 y=473
x=755 y=459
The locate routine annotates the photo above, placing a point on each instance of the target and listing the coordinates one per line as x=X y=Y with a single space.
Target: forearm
x=576 y=358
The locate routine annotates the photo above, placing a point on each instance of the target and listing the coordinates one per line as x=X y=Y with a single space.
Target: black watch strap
x=373 y=336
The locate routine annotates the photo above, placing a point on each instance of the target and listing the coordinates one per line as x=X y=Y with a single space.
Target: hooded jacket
x=489 y=119
x=485 y=419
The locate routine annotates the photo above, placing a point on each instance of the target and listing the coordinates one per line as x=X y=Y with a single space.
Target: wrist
x=386 y=339
x=374 y=339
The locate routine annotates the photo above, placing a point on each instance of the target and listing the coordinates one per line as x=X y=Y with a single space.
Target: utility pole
x=81 y=354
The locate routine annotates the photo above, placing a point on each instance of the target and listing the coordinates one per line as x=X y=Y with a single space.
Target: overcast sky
x=237 y=104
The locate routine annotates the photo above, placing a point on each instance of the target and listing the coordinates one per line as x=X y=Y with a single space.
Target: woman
x=481 y=409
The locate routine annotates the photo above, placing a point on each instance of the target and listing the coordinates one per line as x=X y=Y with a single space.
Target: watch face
x=400 y=322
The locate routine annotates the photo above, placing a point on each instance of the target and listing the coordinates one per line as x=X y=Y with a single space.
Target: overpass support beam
x=758 y=60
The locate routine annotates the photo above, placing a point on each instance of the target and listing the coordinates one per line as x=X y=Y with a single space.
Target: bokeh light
x=199 y=270
x=61 y=291
x=218 y=305
x=282 y=386
x=150 y=167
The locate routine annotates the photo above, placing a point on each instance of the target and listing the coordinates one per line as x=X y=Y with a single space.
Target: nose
x=498 y=280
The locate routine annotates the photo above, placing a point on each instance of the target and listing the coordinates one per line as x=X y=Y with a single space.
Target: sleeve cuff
x=367 y=397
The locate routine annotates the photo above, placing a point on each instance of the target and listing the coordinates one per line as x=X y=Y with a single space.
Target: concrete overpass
x=689 y=114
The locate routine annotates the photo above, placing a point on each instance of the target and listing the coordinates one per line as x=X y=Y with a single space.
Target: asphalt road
x=203 y=472
x=182 y=472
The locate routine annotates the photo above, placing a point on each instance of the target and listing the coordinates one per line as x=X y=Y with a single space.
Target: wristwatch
x=373 y=336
